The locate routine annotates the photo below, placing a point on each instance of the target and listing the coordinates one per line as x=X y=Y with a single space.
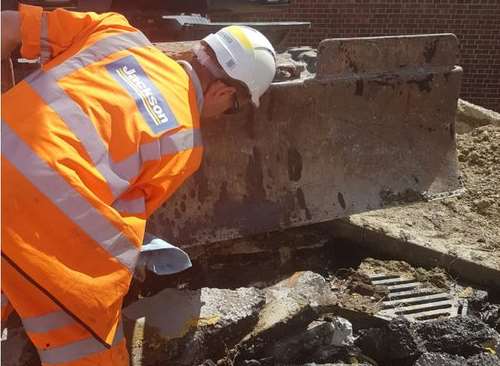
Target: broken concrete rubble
x=319 y=336
x=445 y=359
x=290 y=304
x=296 y=63
x=484 y=359
x=288 y=68
x=402 y=340
x=440 y=359
x=342 y=335
x=291 y=329
x=470 y=116
x=460 y=335
x=332 y=364
x=295 y=322
x=490 y=314
x=184 y=327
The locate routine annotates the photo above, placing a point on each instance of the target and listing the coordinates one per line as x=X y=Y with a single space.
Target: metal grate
x=414 y=301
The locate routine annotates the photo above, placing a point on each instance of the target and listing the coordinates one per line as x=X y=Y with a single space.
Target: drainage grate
x=414 y=301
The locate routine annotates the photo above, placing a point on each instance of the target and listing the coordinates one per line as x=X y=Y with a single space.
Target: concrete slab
x=354 y=138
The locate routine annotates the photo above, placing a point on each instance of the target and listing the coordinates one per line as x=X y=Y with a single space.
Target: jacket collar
x=196 y=81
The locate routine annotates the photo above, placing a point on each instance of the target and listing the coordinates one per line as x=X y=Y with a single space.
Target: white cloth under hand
x=161 y=257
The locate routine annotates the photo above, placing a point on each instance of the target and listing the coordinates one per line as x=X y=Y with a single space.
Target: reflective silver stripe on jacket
x=69 y=111
x=67 y=199
x=100 y=50
x=182 y=140
x=83 y=128
x=75 y=351
x=134 y=206
x=47 y=322
x=45 y=50
x=93 y=53
x=3 y=300
x=116 y=175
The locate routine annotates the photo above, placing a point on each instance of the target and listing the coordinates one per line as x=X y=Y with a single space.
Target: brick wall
x=475 y=22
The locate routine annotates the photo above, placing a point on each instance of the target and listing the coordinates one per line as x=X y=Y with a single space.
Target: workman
x=92 y=144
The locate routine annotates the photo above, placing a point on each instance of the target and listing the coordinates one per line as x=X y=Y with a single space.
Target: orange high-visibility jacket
x=92 y=144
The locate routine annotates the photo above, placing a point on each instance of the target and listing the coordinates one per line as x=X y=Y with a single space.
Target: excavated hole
x=377 y=342
x=430 y=336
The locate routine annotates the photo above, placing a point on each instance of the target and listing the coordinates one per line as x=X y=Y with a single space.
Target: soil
x=352 y=300
x=467 y=226
x=355 y=292
x=436 y=277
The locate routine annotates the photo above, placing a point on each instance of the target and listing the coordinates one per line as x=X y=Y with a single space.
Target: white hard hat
x=246 y=55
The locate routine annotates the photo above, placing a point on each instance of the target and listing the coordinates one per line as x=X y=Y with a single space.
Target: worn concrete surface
x=344 y=56
x=349 y=140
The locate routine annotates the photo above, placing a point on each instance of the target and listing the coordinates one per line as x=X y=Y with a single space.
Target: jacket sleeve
x=46 y=34
x=161 y=181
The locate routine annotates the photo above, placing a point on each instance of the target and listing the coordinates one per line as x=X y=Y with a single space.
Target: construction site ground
x=293 y=296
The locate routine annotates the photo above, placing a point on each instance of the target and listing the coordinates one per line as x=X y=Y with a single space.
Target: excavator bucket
x=374 y=127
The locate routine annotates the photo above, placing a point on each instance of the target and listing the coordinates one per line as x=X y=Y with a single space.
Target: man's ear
x=219 y=89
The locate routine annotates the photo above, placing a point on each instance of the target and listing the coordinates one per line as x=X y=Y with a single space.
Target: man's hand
x=11 y=32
